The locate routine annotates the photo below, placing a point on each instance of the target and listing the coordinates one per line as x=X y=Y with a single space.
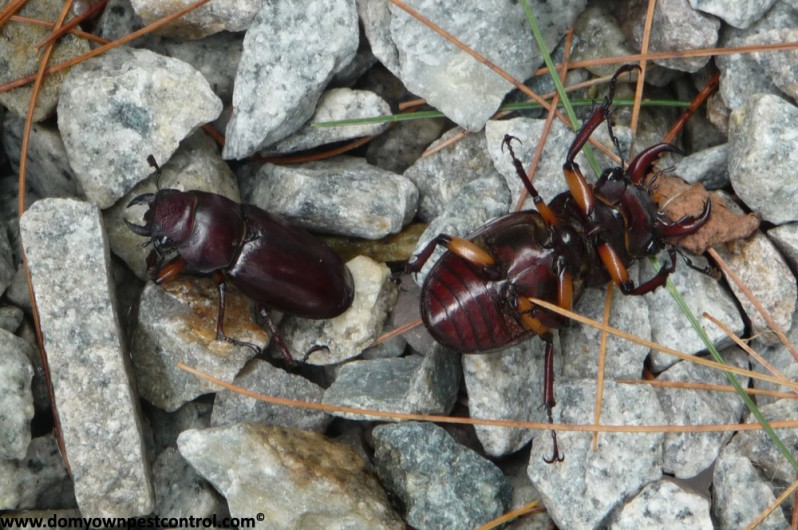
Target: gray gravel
x=143 y=437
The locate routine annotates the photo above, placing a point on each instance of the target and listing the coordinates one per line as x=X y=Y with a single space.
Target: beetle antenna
x=151 y=161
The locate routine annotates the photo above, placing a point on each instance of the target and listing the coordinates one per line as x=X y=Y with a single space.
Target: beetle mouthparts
x=145 y=198
x=140 y=230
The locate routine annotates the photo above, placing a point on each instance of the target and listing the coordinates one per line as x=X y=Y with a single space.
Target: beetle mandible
x=275 y=264
x=476 y=298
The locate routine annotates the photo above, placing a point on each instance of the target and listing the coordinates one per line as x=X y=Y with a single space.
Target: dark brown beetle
x=476 y=297
x=275 y=264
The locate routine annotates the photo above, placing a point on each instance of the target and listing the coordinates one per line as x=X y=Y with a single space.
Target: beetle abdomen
x=464 y=312
x=284 y=267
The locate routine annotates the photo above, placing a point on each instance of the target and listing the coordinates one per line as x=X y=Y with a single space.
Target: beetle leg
x=579 y=188
x=658 y=279
x=464 y=248
x=620 y=275
x=218 y=277
x=615 y=267
x=540 y=205
x=577 y=184
x=266 y=321
x=548 y=396
x=525 y=309
x=565 y=285
x=169 y=270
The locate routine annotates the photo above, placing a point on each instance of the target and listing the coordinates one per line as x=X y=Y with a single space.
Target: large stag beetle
x=476 y=298
x=275 y=264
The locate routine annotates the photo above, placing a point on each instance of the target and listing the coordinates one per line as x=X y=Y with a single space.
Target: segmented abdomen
x=464 y=311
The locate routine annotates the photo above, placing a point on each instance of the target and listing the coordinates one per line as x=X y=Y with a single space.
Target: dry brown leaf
x=676 y=198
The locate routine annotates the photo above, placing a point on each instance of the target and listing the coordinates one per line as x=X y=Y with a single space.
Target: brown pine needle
x=658 y=347
x=66 y=28
x=23 y=164
x=532 y=507
x=745 y=347
x=770 y=509
x=104 y=48
x=396 y=331
x=10 y=9
x=641 y=78
x=76 y=32
x=788 y=424
x=698 y=100
x=555 y=99
x=754 y=300
x=686 y=54
x=601 y=362
x=708 y=387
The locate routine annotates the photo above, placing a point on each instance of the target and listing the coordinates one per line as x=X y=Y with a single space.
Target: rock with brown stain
x=287 y=478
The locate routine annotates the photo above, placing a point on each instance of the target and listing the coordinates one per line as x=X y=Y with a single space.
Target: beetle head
x=169 y=219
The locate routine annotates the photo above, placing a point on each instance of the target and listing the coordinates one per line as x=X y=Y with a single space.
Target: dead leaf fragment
x=676 y=198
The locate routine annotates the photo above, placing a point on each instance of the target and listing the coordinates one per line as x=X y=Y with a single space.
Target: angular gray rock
x=785 y=238
x=120 y=107
x=671 y=328
x=348 y=334
x=263 y=378
x=440 y=176
x=776 y=291
x=291 y=51
x=688 y=453
x=492 y=378
x=180 y=491
x=21 y=55
x=449 y=79
x=99 y=418
x=762 y=157
x=47 y=169
x=741 y=76
x=337 y=104
x=413 y=384
x=664 y=504
x=581 y=343
x=737 y=14
x=709 y=167
x=582 y=490
x=440 y=483
x=38 y=480
x=296 y=479
x=779 y=66
x=740 y=493
x=676 y=26
x=177 y=323
x=215 y=57
x=16 y=399
x=345 y=196
x=221 y=15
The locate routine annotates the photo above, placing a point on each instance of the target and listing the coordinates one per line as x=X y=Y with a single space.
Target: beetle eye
x=163 y=241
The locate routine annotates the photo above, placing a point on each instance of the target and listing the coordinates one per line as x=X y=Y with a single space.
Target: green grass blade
x=569 y=110
x=730 y=376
